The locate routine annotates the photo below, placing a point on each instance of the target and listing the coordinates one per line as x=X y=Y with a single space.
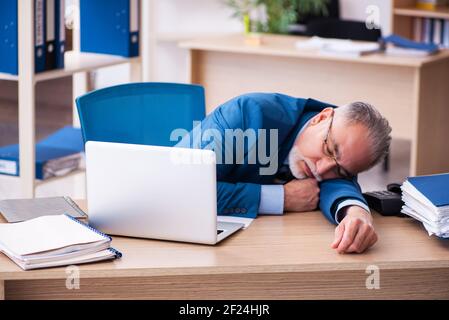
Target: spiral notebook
x=51 y=241
x=17 y=210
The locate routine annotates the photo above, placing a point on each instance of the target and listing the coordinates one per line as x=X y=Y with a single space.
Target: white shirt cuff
x=350 y=202
x=271 y=199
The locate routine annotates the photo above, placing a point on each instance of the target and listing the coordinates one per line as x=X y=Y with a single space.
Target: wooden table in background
x=287 y=257
x=413 y=93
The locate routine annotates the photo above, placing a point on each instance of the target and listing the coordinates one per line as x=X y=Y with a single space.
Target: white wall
x=356 y=10
x=181 y=18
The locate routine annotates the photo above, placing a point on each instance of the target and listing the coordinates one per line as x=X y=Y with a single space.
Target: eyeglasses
x=330 y=152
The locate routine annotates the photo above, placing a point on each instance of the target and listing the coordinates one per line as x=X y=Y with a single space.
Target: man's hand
x=355 y=233
x=301 y=195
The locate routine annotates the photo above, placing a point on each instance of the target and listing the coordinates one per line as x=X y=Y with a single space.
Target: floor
x=52 y=114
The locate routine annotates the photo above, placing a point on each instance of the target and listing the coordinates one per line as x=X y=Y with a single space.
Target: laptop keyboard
x=219 y=231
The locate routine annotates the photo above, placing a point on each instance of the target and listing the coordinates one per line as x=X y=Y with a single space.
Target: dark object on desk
x=343 y=29
x=387 y=202
x=300 y=28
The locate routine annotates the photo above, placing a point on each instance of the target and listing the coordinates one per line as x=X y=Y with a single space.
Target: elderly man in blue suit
x=297 y=154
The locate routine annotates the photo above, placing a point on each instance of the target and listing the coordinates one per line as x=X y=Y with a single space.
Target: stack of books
x=58 y=154
x=51 y=241
x=426 y=198
x=432 y=30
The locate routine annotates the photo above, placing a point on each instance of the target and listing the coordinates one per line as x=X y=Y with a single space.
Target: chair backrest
x=140 y=113
x=343 y=29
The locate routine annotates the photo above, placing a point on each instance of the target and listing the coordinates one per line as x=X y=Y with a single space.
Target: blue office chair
x=140 y=113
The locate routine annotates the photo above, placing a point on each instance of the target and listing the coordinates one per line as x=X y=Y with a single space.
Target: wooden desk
x=411 y=92
x=285 y=257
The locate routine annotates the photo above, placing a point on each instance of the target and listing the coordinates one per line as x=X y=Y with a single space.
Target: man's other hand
x=355 y=233
x=301 y=195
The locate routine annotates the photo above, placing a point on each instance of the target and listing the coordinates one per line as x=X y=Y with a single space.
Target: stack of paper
x=338 y=47
x=56 y=155
x=426 y=199
x=51 y=241
x=350 y=49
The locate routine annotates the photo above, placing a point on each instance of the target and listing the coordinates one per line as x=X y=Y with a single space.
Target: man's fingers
x=360 y=242
x=349 y=235
x=373 y=239
x=339 y=231
x=370 y=240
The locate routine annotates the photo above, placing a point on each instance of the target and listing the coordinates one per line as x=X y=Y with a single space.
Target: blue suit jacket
x=239 y=185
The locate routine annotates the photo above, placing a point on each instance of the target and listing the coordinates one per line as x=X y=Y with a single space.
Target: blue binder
x=50 y=34
x=55 y=34
x=8 y=37
x=433 y=187
x=110 y=27
x=60 y=33
x=39 y=34
x=409 y=44
x=62 y=143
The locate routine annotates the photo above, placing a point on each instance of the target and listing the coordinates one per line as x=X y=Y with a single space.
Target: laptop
x=154 y=192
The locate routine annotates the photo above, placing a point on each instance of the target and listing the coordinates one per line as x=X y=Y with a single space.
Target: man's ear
x=322 y=116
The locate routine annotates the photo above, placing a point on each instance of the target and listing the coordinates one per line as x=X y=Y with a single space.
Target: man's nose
x=325 y=165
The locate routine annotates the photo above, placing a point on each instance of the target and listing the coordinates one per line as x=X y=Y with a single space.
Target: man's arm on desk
x=355 y=230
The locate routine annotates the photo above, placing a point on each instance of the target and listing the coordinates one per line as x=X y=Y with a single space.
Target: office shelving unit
x=404 y=11
x=78 y=65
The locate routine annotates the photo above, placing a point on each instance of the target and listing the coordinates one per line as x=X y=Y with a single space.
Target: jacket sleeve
x=233 y=197
x=333 y=192
x=238 y=199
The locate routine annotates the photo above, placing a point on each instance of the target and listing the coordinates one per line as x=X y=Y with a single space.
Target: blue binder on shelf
x=110 y=27
x=64 y=142
x=8 y=37
x=55 y=34
x=60 y=33
x=39 y=35
x=50 y=34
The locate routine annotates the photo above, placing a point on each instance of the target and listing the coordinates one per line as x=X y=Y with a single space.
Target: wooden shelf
x=68 y=175
x=441 y=13
x=176 y=36
x=6 y=179
x=76 y=62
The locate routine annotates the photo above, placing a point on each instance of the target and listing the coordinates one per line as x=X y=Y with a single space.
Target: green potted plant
x=280 y=14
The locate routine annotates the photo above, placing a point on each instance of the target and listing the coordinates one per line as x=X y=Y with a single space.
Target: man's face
x=310 y=157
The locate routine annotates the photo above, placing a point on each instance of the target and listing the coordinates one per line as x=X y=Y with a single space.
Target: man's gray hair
x=378 y=127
